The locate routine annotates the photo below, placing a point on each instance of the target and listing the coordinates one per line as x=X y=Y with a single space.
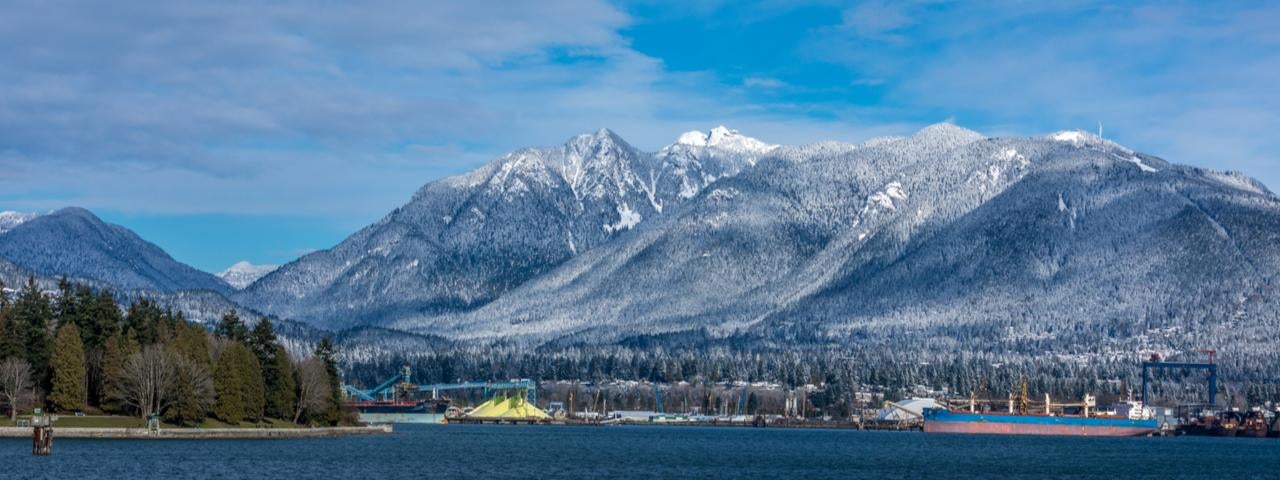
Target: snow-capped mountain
x=944 y=239
x=8 y=220
x=1015 y=240
x=76 y=243
x=725 y=139
x=244 y=273
x=464 y=241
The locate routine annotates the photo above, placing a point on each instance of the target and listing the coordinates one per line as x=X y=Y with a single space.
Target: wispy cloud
x=236 y=105
x=1192 y=81
x=346 y=109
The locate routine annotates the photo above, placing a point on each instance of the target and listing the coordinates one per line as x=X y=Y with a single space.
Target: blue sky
x=228 y=131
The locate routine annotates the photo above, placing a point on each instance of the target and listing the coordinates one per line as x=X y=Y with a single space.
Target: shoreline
x=201 y=433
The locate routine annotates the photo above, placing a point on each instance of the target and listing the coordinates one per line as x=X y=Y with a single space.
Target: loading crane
x=383 y=389
x=403 y=382
x=1157 y=363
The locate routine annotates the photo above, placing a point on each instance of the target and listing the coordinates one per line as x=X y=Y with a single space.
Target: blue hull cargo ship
x=941 y=420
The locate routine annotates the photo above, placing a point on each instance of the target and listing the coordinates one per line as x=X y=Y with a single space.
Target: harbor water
x=493 y=451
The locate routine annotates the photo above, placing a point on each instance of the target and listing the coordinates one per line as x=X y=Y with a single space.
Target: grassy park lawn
x=70 y=421
x=268 y=423
x=113 y=421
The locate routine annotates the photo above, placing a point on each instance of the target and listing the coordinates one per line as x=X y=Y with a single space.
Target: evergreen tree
x=190 y=342
x=186 y=409
x=277 y=376
x=100 y=321
x=106 y=319
x=232 y=327
x=33 y=312
x=325 y=352
x=12 y=335
x=82 y=316
x=253 y=389
x=228 y=387
x=168 y=325
x=194 y=390
x=282 y=396
x=66 y=309
x=262 y=339
x=68 y=364
x=143 y=321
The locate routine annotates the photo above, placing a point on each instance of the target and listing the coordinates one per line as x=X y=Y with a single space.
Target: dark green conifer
x=228 y=387
x=65 y=308
x=195 y=391
x=283 y=394
x=12 y=335
x=325 y=352
x=253 y=389
x=232 y=327
x=68 y=364
x=143 y=321
x=33 y=311
x=106 y=317
x=277 y=376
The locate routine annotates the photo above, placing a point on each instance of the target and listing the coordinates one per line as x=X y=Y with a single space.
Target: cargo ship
x=1024 y=417
x=942 y=420
x=421 y=411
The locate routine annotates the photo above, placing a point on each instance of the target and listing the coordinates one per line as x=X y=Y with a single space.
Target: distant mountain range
x=1064 y=242
x=243 y=274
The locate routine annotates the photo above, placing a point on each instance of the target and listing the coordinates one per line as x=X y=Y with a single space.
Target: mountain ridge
x=472 y=229
x=75 y=242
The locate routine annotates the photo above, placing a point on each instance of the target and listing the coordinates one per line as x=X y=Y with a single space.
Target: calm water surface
x=534 y=452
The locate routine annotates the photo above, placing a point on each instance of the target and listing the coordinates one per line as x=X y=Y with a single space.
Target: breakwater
x=201 y=433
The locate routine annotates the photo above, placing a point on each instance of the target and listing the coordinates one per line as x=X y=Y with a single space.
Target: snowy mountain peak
x=948 y=132
x=77 y=212
x=243 y=273
x=720 y=133
x=726 y=139
x=603 y=139
x=692 y=138
x=1069 y=136
x=8 y=220
x=1076 y=137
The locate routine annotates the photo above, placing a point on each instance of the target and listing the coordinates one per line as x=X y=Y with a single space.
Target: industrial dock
x=399 y=400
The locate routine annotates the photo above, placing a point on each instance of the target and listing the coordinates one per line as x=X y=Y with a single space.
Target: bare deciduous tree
x=148 y=379
x=313 y=388
x=15 y=383
x=200 y=382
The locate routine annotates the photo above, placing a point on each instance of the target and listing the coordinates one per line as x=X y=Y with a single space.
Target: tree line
x=79 y=351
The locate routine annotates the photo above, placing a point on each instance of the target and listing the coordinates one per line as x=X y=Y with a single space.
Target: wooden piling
x=41 y=440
